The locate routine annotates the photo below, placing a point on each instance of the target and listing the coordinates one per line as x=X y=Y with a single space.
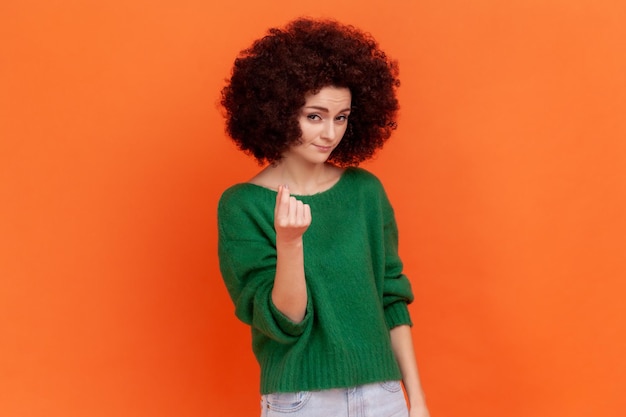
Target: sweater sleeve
x=247 y=256
x=397 y=292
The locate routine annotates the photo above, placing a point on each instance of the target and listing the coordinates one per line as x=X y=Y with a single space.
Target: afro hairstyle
x=270 y=80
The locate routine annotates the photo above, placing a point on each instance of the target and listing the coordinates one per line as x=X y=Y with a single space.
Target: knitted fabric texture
x=356 y=289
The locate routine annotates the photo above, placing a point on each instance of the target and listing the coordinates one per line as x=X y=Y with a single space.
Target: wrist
x=414 y=393
x=289 y=243
x=417 y=399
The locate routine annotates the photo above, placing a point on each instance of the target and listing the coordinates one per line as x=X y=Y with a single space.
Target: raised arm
x=291 y=219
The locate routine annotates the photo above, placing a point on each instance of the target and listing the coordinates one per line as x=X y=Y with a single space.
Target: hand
x=291 y=216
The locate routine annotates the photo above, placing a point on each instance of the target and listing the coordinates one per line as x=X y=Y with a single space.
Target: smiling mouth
x=324 y=148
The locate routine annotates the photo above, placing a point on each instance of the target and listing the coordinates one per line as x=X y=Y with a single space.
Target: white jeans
x=384 y=399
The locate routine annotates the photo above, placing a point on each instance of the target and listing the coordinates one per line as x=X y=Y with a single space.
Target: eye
x=313 y=116
x=342 y=118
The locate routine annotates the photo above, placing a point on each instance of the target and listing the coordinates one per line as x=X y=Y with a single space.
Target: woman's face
x=323 y=121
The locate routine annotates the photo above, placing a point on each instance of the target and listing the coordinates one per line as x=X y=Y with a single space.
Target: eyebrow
x=324 y=109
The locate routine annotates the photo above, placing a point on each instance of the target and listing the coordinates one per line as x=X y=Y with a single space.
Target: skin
x=402 y=345
x=303 y=171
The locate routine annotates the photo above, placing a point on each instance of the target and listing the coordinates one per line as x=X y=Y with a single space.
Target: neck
x=304 y=179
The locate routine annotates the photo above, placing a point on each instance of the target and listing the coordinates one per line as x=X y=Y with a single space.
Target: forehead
x=336 y=96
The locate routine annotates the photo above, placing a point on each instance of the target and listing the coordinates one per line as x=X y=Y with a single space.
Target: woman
x=308 y=247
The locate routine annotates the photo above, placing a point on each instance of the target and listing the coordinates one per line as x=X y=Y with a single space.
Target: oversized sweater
x=356 y=289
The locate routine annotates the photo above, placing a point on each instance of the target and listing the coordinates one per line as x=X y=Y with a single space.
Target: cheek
x=344 y=129
x=308 y=132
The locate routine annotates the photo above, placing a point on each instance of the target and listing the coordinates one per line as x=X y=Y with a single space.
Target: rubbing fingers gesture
x=291 y=216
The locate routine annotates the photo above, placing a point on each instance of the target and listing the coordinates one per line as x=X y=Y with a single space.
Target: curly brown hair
x=271 y=78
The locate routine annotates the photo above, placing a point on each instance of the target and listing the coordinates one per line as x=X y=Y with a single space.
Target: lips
x=324 y=148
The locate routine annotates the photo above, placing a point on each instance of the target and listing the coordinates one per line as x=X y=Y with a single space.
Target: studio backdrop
x=507 y=175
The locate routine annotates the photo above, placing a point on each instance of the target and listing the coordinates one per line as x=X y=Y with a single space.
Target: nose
x=330 y=130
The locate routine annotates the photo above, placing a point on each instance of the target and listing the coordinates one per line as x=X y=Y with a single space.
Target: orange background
x=507 y=174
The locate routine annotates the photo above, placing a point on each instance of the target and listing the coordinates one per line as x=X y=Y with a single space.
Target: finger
x=282 y=202
x=279 y=193
x=293 y=204
x=299 y=213
x=307 y=214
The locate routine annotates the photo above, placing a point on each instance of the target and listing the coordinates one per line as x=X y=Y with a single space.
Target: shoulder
x=236 y=193
x=245 y=199
x=370 y=189
x=245 y=212
x=233 y=196
x=364 y=178
x=245 y=191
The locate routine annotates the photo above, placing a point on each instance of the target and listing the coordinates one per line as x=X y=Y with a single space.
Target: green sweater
x=356 y=289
